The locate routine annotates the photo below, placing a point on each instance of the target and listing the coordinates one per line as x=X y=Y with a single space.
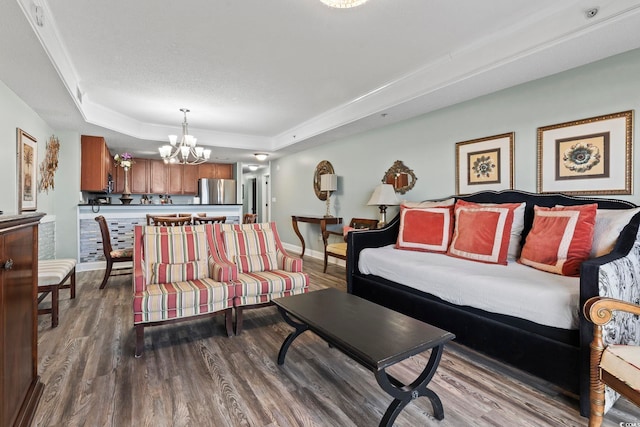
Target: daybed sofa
x=557 y=354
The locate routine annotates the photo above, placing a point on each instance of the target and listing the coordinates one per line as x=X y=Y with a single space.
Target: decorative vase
x=126 y=194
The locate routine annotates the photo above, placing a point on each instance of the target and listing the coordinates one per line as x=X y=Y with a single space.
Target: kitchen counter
x=121 y=220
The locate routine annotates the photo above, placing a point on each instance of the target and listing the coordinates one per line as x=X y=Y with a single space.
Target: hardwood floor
x=191 y=374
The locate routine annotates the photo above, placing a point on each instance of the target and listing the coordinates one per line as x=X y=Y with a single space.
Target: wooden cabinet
x=138 y=175
x=215 y=170
x=158 y=177
x=190 y=180
x=176 y=175
x=21 y=388
x=96 y=163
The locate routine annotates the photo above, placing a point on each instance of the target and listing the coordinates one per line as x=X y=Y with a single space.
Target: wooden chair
x=151 y=216
x=339 y=250
x=111 y=256
x=616 y=366
x=249 y=218
x=209 y=219
x=171 y=221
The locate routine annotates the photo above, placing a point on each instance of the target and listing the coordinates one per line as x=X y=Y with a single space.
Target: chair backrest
x=249 y=218
x=208 y=219
x=106 y=235
x=170 y=221
x=363 y=223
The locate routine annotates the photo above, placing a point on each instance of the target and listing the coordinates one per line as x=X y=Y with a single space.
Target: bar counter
x=121 y=220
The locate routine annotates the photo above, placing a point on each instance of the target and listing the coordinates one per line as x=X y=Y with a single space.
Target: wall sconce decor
x=400 y=177
x=383 y=195
x=328 y=183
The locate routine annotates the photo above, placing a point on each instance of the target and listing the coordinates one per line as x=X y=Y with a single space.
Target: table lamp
x=328 y=183
x=383 y=195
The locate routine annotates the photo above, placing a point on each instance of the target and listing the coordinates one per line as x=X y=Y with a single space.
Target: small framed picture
x=27 y=171
x=586 y=157
x=485 y=164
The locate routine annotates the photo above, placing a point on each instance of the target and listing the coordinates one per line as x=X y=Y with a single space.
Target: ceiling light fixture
x=343 y=4
x=261 y=156
x=253 y=168
x=184 y=151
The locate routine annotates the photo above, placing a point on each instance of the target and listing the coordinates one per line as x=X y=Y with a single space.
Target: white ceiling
x=277 y=76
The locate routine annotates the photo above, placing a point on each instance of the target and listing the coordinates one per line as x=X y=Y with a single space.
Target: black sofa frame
x=556 y=355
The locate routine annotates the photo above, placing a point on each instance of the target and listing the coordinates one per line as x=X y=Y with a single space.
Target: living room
x=425 y=143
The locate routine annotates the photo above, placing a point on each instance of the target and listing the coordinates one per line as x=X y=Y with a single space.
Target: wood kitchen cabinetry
x=21 y=386
x=215 y=170
x=159 y=177
x=96 y=164
x=138 y=177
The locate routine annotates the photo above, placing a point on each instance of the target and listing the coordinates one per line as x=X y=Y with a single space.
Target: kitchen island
x=121 y=220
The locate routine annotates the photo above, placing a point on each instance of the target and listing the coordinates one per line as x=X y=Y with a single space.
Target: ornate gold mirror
x=401 y=177
x=322 y=168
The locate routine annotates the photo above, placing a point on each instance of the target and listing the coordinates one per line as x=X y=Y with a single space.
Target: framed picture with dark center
x=485 y=164
x=586 y=157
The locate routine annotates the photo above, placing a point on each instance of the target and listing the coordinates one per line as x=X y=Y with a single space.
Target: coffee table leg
x=403 y=394
x=300 y=328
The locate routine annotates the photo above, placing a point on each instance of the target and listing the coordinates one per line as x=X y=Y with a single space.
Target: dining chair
x=209 y=219
x=171 y=221
x=249 y=218
x=111 y=255
x=151 y=216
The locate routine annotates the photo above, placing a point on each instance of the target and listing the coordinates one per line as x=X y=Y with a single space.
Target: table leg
x=403 y=394
x=300 y=328
x=294 y=222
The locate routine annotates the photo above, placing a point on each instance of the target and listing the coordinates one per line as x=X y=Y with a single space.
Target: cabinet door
x=190 y=180
x=207 y=170
x=93 y=165
x=224 y=171
x=139 y=177
x=176 y=178
x=158 y=173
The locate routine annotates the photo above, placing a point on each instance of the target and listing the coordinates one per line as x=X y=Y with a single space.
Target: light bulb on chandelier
x=184 y=151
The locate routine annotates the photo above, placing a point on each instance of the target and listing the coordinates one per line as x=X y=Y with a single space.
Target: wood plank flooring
x=191 y=374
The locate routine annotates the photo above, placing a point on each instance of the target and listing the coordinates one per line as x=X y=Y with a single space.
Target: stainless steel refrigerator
x=217 y=191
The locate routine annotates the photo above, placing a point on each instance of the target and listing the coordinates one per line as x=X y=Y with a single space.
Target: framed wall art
x=485 y=164
x=586 y=157
x=27 y=171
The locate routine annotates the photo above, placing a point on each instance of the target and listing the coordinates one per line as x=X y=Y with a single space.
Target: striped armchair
x=252 y=257
x=171 y=279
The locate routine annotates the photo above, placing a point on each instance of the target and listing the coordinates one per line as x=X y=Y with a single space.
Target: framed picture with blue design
x=485 y=164
x=586 y=157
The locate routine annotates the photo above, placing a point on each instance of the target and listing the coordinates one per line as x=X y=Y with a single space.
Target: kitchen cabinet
x=96 y=164
x=175 y=178
x=138 y=178
x=190 y=180
x=21 y=387
x=215 y=170
x=158 y=177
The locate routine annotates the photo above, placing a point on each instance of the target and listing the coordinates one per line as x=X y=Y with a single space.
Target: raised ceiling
x=277 y=76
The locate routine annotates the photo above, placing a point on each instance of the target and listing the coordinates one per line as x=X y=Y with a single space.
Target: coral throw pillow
x=560 y=238
x=425 y=229
x=482 y=233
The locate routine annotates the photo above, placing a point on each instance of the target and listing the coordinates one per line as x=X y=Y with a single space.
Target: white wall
x=62 y=200
x=426 y=144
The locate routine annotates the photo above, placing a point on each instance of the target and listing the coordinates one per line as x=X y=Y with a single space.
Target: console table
x=313 y=219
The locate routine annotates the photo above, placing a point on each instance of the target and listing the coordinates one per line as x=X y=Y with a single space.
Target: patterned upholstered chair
x=172 y=281
x=616 y=365
x=252 y=257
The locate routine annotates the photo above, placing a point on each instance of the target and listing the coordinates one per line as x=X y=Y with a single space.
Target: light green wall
x=61 y=201
x=426 y=144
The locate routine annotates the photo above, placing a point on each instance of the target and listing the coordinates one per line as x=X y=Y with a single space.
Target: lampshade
x=383 y=194
x=328 y=182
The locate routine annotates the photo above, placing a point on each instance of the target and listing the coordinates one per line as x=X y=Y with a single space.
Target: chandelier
x=184 y=151
x=343 y=4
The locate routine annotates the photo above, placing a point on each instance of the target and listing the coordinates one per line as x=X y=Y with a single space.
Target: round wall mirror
x=322 y=168
x=401 y=177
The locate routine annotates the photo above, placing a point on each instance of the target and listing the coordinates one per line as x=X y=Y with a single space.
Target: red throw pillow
x=560 y=238
x=482 y=233
x=425 y=229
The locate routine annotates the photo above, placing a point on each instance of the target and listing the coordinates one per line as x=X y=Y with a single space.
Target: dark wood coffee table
x=372 y=335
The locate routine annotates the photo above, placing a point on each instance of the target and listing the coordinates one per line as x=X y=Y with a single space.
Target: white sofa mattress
x=515 y=289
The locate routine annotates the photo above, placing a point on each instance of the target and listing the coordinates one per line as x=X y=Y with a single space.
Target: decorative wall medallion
x=322 y=168
x=49 y=165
